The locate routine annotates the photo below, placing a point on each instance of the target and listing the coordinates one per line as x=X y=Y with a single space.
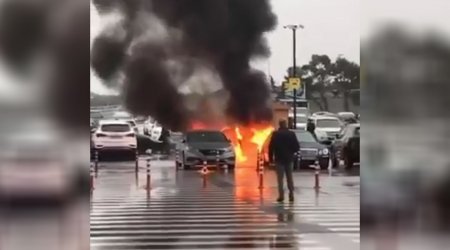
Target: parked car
x=324 y=113
x=310 y=151
x=327 y=127
x=346 y=146
x=348 y=117
x=114 y=135
x=206 y=145
x=301 y=121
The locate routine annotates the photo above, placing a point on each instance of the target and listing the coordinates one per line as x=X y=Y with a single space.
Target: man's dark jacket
x=283 y=145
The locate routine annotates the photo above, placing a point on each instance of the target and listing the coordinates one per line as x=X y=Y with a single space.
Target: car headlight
x=229 y=150
x=324 y=151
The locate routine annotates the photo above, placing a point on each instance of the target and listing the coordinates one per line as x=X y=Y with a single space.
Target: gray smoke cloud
x=173 y=56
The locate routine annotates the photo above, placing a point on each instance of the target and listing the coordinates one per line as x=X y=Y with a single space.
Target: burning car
x=206 y=145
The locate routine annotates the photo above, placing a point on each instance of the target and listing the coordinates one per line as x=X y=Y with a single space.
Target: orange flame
x=240 y=156
x=247 y=140
x=260 y=136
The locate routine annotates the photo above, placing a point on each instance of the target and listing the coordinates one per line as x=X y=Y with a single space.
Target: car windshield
x=328 y=123
x=206 y=137
x=305 y=137
x=116 y=128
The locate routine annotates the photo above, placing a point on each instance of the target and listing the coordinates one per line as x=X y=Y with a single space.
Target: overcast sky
x=331 y=28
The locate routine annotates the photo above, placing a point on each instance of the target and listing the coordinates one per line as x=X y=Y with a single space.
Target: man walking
x=283 y=145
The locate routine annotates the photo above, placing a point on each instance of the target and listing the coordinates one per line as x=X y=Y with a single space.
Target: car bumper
x=198 y=160
x=115 y=147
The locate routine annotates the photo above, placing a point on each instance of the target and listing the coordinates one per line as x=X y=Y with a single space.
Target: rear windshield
x=206 y=137
x=116 y=128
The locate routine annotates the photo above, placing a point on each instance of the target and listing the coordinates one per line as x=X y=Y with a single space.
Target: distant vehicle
x=301 y=120
x=133 y=124
x=114 y=135
x=347 y=117
x=123 y=115
x=327 y=127
x=346 y=146
x=154 y=130
x=324 y=113
x=303 y=111
x=206 y=145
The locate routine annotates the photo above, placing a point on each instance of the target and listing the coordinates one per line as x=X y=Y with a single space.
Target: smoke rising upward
x=225 y=35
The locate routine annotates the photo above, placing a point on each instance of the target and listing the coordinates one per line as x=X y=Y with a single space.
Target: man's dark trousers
x=284 y=168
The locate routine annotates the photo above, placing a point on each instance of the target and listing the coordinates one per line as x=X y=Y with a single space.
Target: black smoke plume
x=227 y=34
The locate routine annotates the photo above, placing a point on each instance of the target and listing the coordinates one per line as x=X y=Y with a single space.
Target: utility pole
x=294 y=28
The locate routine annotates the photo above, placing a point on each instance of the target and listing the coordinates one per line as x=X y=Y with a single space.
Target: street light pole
x=294 y=70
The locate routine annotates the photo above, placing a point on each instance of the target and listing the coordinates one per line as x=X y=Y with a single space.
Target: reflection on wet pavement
x=229 y=213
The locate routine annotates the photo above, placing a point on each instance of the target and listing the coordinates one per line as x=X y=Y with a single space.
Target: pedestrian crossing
x=186 y=217
x=336 y=212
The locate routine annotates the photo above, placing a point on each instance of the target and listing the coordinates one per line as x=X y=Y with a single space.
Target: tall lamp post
x=294 y=28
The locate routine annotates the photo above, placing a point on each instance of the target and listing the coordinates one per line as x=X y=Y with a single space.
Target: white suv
x=327 y=127
x=114 y=135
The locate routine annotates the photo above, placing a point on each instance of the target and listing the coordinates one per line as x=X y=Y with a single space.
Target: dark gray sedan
x=206 y=145
x=311 y=150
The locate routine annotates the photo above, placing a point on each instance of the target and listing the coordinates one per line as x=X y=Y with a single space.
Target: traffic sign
x=295 y=83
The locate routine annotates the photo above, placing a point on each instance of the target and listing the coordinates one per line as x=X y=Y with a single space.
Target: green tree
x=346 y=80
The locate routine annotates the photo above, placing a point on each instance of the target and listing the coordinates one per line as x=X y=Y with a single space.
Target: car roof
x=354 y=125
x=112 y=122
x=324 y=117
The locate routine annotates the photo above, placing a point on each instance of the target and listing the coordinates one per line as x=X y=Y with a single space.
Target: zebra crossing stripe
x=200 y=243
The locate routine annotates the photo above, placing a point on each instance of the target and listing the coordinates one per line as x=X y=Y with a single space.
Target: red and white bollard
x=316 y=175
x=92 y=173
x=260 y=165
x=299 y=159
x=96 y=160
x=137 y=160
x=148 y=185
x=204 y=173
x=177 y=159
x=218 y=160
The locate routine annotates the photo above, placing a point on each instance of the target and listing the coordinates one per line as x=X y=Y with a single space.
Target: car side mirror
x=183 y=141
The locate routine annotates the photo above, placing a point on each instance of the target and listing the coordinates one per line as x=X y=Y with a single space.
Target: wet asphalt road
x=224 y=211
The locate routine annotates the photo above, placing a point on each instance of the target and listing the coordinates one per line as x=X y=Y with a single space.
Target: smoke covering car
x=206 y=145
